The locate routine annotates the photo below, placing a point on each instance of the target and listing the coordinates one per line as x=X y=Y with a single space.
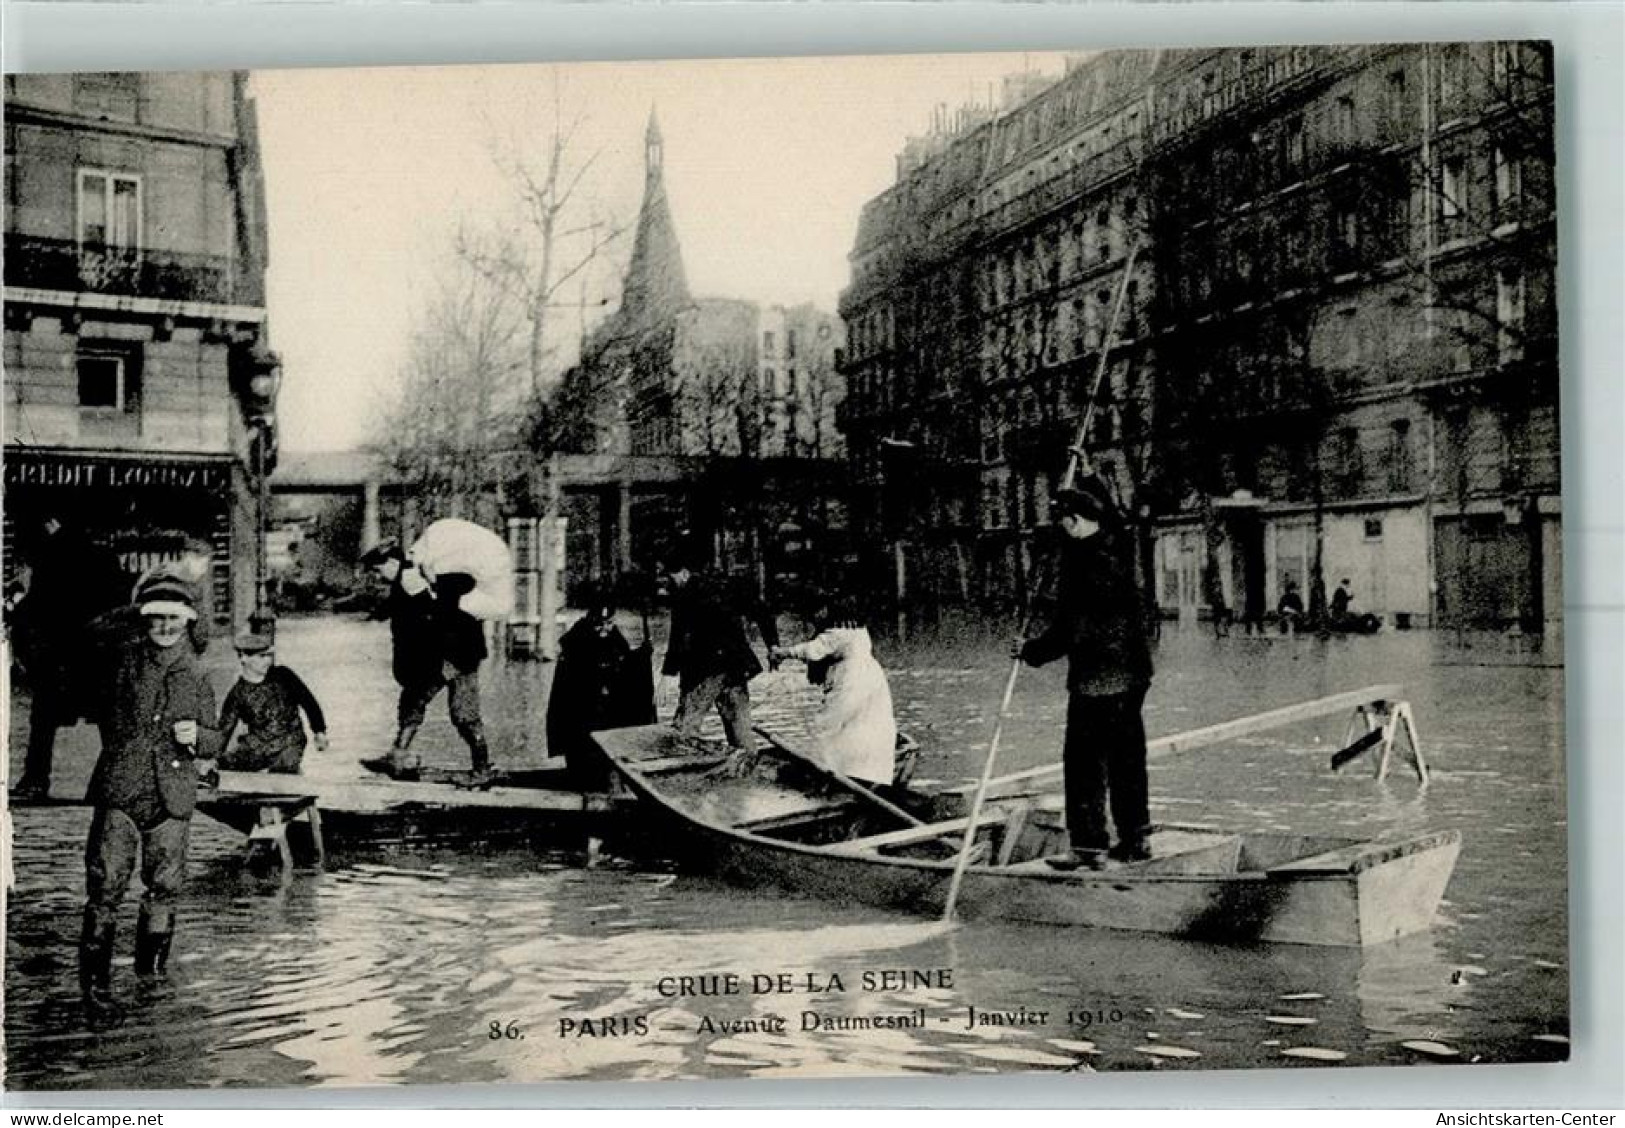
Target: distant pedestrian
x=1098 y=624
x=709 y=654
x=267 y=700
x=855 y=731
x=159 y=722
x=1290 y=609
x=72 y=581
x=435 y=645
x=1342 y=603
x=1220 y=613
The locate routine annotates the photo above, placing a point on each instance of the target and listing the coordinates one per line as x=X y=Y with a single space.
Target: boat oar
x=834 y=776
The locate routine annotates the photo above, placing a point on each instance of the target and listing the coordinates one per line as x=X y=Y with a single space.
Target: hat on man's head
x=1087 y=499
x=251 y=643
x=387 y=549
x=164 y=592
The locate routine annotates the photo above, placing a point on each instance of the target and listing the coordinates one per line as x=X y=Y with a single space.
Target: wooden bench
x=912 y=835
x=276 y=816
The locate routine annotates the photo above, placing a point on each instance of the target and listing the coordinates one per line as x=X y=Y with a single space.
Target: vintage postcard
x=784 y=568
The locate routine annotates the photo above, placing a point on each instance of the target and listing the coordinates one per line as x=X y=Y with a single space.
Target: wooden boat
x=791 y=825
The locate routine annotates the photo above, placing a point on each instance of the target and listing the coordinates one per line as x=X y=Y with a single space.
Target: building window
x=768 y=343
x=790 y=344
x=109 y=209
x=1346 y=469
x=108 y=377
x=1449 y=77
x=1509 y=311
x=1294 y=143
x=1453 y=188
x=1348 y=234
x=1373 y=528
x=1501 y=65
x=1401 y=462
x=1508 y=180
x=1345 y=119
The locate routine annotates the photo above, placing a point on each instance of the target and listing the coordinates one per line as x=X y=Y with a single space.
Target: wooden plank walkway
x=381 y=794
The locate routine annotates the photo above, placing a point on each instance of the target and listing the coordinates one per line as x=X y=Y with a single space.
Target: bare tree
x=817 y=406
x=550 y=248
x=719 y=398
x=458 y=403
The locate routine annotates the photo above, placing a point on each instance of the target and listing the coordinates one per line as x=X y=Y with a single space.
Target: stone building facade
x=736 y=401
x=139 y=391
x=1335 y=355
x=674 y=375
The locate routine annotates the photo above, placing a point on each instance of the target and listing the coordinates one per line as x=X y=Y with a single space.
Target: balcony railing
x=62 y=264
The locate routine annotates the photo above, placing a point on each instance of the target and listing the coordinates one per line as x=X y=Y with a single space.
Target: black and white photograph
x=807 y=567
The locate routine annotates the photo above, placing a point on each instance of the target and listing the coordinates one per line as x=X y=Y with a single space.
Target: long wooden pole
x=1075 y=454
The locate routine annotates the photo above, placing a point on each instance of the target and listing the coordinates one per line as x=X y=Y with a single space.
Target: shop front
x=143 y=507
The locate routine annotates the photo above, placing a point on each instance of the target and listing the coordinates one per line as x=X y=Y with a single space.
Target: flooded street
x=432 y=966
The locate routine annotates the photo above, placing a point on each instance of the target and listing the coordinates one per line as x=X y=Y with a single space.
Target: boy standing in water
x=267 y=699
x=159 y=720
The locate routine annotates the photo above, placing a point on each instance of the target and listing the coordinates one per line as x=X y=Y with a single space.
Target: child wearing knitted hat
x=267 y=699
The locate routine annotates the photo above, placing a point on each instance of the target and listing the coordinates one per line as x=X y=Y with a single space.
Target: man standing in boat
x=709 y=654
x=1098 y=625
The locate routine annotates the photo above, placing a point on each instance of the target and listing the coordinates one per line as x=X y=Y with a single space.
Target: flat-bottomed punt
x=789 y=825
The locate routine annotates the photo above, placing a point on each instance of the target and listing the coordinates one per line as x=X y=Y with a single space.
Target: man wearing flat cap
x=434 y=645
x=1098 y=624
x=159 y=719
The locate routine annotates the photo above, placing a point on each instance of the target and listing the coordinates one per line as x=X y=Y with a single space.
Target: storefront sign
x=84 y=473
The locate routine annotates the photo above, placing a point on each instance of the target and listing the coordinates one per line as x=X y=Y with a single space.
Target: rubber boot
x=480 y=757
x=155 y=931
x=404 y=761
x=399 y=764
x=96 y=972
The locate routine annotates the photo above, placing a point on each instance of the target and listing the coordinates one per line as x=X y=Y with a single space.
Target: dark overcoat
x=429 y=629
x=708 y=632
x=600 y=682
x=142 y=770
x=1098 y=621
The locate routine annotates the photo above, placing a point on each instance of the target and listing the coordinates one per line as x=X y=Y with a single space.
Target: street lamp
x=265 y=378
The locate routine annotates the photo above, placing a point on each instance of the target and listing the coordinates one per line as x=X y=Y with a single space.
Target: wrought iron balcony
x=64 y=265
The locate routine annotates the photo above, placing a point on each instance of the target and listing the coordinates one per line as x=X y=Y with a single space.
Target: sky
x=370 y=172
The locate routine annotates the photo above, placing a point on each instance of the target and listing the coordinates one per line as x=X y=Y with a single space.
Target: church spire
x=653 y=148
x=655 y=287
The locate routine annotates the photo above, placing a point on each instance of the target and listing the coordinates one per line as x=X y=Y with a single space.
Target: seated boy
x=267 y=699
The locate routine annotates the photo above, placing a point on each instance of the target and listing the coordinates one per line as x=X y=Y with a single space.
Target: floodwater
x=433 y=965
